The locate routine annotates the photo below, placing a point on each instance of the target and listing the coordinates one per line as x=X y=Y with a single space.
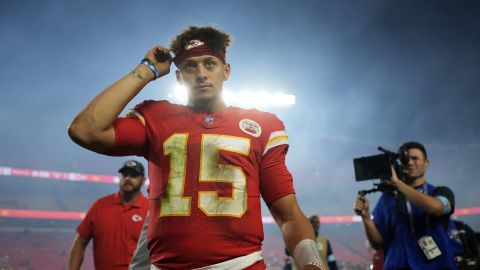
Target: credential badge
x=250 y=127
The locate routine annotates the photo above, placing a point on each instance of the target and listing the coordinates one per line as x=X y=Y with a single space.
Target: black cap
x=132 y=166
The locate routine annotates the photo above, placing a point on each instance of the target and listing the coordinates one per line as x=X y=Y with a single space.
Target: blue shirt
x=400 y=244
x=455 y=240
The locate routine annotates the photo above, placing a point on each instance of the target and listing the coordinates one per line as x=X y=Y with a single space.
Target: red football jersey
x=207 y=173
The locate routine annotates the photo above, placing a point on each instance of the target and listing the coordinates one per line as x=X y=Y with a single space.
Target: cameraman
x=410 y=222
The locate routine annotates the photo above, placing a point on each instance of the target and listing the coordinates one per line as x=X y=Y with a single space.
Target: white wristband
x=306 y=253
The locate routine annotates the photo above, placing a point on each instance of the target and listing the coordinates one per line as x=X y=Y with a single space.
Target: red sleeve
x=130 y=138
x=275 y=179
x=85 y=229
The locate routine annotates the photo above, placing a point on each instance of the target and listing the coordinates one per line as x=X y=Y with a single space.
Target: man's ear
x=226 y=72
x=177 y=75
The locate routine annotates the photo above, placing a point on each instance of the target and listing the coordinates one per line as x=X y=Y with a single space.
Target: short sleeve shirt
x=115 y=228
x=400 y=243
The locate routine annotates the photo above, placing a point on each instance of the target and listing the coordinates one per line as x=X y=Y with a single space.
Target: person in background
x=323 y=244
x=410 y=224
x=376 y=255
x=465 y=246
x=113 y=223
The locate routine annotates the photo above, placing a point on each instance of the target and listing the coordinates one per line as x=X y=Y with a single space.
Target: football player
x=209 y=164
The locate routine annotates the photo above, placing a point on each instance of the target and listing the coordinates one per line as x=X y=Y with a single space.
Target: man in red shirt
x=114 y=223
x=209 y=164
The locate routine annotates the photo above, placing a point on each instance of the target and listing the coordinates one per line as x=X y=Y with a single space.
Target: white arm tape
x=306 y=253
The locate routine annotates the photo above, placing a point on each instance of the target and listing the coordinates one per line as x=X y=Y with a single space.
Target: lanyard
x=410 y=212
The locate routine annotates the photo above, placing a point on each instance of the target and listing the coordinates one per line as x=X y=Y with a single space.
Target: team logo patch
x=137 y=218
x=130 y=163
x=192 y=44
x=250 y=127
x=208 y=120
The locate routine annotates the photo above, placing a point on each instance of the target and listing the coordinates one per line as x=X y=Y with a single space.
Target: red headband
x=197 y=48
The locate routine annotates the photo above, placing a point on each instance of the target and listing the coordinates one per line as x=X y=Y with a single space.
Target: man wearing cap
x=114 y=223
x=209 y=164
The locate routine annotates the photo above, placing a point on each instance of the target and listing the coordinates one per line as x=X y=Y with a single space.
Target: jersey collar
x=137 y=203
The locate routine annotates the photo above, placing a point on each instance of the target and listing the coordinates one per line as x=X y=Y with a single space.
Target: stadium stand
x=44 y=243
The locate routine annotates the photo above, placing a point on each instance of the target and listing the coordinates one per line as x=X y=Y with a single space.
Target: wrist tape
x=306 y=253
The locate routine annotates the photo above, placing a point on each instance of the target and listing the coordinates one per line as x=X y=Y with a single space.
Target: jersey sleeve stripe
x=276 y=134
x=276 y=138
x=133 y=113
x=279 y=138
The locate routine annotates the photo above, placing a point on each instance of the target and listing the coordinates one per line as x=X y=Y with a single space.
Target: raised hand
x=161 y=58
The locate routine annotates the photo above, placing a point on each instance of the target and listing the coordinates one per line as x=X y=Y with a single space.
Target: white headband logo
x=192 y=44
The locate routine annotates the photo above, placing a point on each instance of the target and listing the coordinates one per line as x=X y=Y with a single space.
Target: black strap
x=410 y=212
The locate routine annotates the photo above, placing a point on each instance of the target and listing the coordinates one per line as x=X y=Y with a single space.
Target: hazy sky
x=365 y=73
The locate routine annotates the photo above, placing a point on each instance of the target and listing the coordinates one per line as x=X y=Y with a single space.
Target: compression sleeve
x=130 y=138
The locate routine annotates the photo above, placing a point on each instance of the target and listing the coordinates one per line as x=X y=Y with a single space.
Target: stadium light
x=244 y=98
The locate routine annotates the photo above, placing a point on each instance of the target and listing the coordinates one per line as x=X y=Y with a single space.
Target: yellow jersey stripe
x=285 y=138
x=133 y=113
x=276 y=138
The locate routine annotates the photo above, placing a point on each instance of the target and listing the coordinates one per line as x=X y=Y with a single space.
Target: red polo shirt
x=115 y=228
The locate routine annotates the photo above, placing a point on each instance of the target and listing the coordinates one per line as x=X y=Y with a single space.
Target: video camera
x=379 y=167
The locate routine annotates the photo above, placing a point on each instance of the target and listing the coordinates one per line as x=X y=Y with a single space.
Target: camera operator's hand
x=161 y=59
x=361 y=207
x=394 y=180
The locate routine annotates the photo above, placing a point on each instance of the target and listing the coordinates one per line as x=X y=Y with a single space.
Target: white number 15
x=175 y=203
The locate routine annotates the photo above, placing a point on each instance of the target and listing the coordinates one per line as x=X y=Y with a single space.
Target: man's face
x=131 y=182
x=203 y=76
x=417 y=166
x=315 y=223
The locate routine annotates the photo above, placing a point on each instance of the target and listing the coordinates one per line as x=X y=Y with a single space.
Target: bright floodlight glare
x=245 y=99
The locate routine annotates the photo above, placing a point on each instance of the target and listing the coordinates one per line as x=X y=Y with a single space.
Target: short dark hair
x=314 y=217
x=214 y=37
x=413 y=145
